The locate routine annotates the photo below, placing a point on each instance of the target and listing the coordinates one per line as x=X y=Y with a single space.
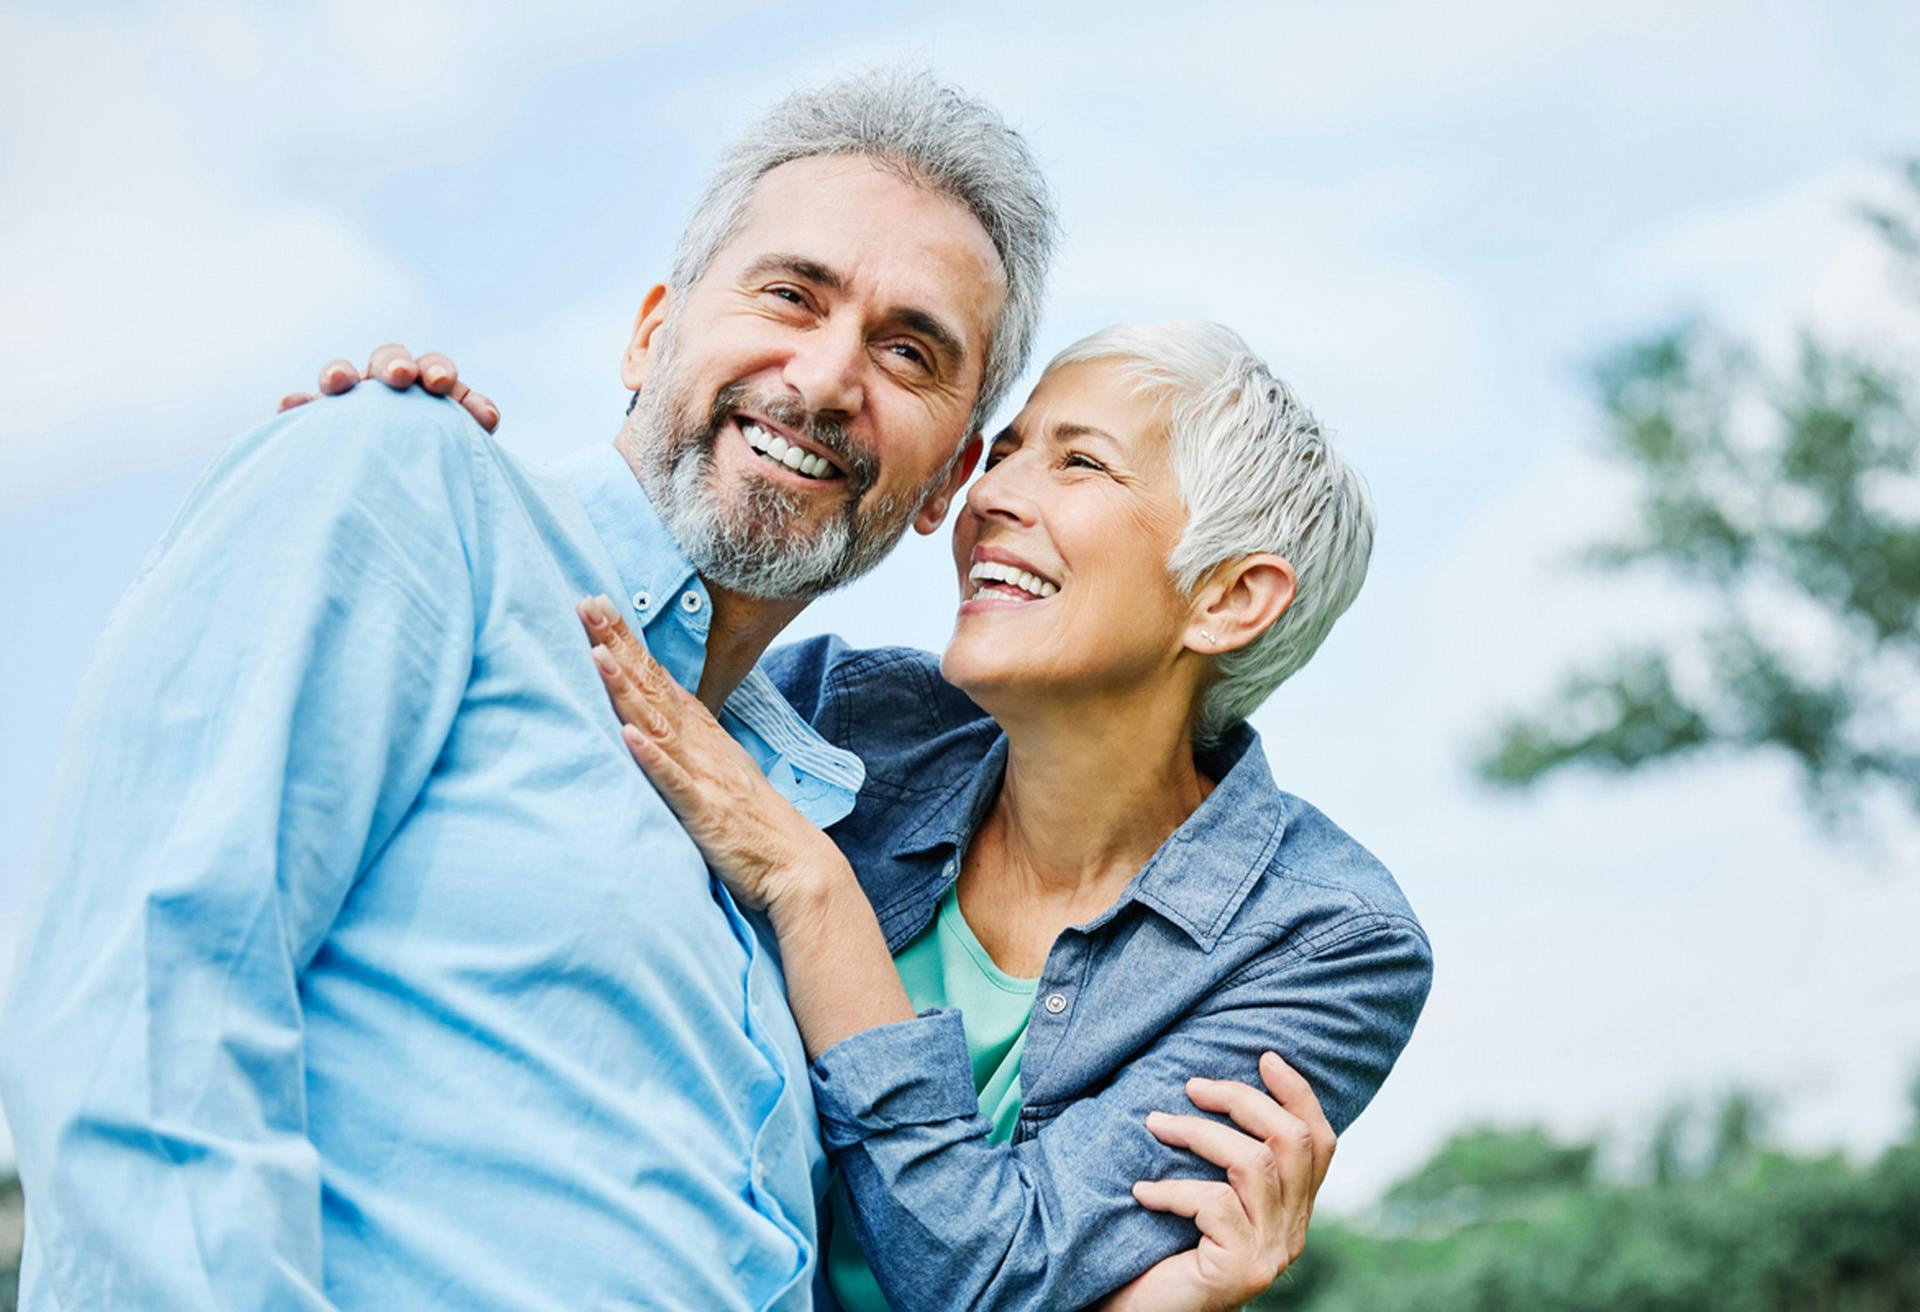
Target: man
x=364 y=971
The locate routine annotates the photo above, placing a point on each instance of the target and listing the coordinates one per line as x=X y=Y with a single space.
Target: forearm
x=841 y=979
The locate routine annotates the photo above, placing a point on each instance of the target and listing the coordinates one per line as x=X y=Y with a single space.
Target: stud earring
x=1208 y=636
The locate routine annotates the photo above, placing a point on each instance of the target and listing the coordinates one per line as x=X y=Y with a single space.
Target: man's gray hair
x=936 y=137
x=1255 y=474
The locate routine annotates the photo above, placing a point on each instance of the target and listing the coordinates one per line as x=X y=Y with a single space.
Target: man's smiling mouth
x=788 y=454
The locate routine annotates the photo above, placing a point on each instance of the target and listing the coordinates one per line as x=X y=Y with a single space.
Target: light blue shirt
x=364 y=968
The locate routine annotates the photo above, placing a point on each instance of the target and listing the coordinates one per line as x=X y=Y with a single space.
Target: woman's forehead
x=1093 y=398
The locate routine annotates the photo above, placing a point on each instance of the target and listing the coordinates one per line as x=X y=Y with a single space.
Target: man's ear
x=933 y=511
x=637 y=360
x=1240 y=601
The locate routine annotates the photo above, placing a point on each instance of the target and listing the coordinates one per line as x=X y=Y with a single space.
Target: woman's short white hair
x=934 y=135
x=1255 y=474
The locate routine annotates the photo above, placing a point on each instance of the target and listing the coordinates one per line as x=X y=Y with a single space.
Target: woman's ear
x=933 y=511
x=636 y=362
x=1240 y=601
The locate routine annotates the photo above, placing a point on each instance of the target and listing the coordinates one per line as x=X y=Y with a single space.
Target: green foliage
x=1791 y=506
x=1737 y=1226
x=12 y=1210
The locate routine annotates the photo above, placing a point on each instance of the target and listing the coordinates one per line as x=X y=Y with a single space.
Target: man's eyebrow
x=797 y=266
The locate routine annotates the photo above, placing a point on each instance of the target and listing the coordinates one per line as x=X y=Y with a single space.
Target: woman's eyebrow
x=1068 y=430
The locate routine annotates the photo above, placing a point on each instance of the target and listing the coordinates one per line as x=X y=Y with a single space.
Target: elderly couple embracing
x=451 y=901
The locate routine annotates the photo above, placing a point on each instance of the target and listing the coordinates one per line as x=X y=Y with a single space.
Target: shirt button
x=690 y=602
x=643 y=602
x=760 y=1174
x=1055 y=1003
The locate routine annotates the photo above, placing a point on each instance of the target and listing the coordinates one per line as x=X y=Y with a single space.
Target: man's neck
x=740 y=631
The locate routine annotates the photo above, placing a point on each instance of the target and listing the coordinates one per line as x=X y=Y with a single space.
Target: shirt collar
x=1200 y=875
x=652 y=567
x=647 y=558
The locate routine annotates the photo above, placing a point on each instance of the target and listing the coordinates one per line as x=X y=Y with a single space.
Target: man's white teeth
x=777 y=448
x=992 y=571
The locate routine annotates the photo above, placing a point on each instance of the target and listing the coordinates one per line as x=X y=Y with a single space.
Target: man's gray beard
x=758 y=544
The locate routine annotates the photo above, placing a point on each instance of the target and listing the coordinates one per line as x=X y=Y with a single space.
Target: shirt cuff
x=913 y=1072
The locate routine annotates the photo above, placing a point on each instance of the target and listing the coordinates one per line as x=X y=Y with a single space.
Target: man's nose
x=827 y=369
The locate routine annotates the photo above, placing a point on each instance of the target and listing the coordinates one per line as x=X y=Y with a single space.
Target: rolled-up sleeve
x=1050 y=1222
x=262 y=708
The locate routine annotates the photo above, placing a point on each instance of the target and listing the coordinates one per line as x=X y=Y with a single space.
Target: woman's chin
x=975 y=667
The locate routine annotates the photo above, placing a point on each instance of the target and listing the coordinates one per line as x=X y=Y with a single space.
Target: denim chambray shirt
x=1258 y=925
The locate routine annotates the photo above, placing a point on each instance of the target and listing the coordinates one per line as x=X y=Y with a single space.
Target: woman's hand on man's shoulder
x=393 y=365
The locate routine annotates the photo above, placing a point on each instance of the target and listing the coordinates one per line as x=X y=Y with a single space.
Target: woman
x=1069 y=834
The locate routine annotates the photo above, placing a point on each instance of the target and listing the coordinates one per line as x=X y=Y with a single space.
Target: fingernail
x=437 y=374
x=603 y=606
x=590 y=612
x=604 y=659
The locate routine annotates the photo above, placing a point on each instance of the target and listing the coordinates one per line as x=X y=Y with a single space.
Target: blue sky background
x=1429 y=218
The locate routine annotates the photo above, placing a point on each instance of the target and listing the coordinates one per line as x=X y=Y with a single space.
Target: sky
x=1431 y=220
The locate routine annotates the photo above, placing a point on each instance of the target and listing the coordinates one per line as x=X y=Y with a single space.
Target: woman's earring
x=1208 y=636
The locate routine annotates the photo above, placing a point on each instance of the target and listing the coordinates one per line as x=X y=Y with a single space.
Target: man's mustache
x=862 y=469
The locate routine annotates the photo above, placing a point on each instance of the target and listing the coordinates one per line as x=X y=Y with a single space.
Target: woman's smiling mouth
x=998 y=576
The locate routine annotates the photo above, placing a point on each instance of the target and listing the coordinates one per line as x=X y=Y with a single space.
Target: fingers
x=606 y=626
x=438 y=374
x=393 y=365
x=1251 y=1109
x=641 y=691
x=337 y=376
x=292 y=399
x=484 y=412
x=1209 y=1203
x=1251 y=1164
x=1293 y=1092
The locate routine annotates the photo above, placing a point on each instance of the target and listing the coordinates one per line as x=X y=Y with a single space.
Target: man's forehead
x=874 y=230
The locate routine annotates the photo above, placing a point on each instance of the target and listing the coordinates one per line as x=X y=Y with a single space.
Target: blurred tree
x=1485 y=1173
x=12 y=1219
x=1791 y=505
x=1739 y=1227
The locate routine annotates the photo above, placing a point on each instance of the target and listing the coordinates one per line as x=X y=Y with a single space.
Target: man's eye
x=789 y=294
x=912 y=354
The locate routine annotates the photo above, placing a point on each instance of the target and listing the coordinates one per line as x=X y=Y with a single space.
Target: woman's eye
x=1078 y=461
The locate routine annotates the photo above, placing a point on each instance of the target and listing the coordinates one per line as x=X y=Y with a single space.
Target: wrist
x=810 y=886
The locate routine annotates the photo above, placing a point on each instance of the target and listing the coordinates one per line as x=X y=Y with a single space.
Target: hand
x=751 y=836
x=393 y=366
x=1253 y=1226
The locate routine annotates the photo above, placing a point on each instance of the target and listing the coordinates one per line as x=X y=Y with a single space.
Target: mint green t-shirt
x=945 y=966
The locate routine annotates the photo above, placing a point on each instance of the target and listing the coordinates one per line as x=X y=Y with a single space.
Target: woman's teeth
x=992 y=571
x=777 y=449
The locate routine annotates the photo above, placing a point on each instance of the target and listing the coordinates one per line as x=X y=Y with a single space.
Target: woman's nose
x=826 y=368
x=1004 y=492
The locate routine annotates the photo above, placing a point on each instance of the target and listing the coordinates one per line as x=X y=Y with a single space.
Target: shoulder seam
x=1305 y=947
